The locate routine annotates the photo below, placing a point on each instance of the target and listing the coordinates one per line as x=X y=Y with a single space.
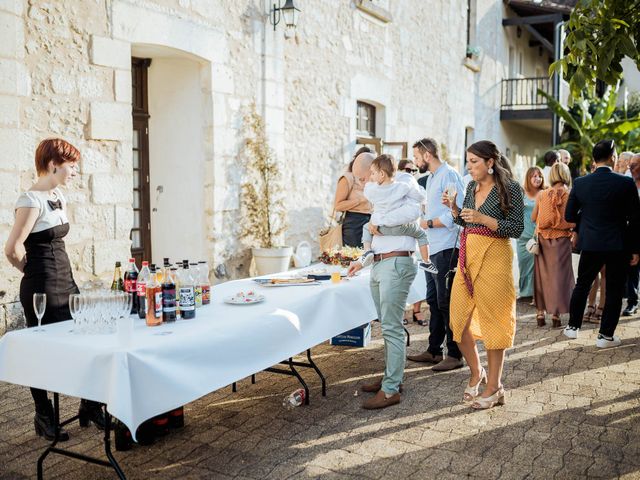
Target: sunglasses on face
x=411 y=170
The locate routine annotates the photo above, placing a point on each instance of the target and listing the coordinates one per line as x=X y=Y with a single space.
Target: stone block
x=9 y=111
x=100 y=218
x=222 y=78
x=123 y=222
x=14 y=78
x=12 y=6
x=11 y=36
x=106 y=253
x=110 y=121
x=9 y=186
x=122 y=85
x=14 y=316
x=110 y=53
x=94 y=161
x=111 y=189
x=91 y=86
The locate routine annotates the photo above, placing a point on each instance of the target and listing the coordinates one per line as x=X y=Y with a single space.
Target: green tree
x=600 y=33
x=591 y=119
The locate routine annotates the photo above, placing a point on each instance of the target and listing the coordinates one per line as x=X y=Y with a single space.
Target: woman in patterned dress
x=483 y=296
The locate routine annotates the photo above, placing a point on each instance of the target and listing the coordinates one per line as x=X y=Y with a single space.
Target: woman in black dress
x=36 y=248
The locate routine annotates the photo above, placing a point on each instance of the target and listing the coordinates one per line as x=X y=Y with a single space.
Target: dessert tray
x=244 y=298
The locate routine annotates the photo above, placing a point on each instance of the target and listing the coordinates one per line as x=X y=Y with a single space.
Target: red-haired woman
x=36 y=247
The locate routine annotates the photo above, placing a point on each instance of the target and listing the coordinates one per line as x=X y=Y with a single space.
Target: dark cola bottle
x=131 y=283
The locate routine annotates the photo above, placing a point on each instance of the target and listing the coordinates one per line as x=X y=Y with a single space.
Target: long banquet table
x=173 y=364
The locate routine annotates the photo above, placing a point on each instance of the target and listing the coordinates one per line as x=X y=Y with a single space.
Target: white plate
x=289 y=284
x=244 y=300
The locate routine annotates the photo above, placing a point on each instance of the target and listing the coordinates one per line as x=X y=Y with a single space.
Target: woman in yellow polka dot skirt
x=483 y=296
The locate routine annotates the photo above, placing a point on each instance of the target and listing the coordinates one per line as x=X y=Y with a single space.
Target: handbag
x=330 y=237
x=532 y=245
x=451 y=273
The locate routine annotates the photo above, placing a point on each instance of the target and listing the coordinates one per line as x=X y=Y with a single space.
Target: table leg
x=315 y=367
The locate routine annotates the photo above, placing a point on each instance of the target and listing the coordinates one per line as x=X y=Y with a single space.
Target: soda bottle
x=161 y=424
x=295 y=399
x=176 y=418
x=154 y=300
x=187 y=300
x=141 y=289
x=130 y=283
x=122 y=436
x=168 y=296
x=117 y=284
x=204 y=281
x=174 y=275
x=197 y=286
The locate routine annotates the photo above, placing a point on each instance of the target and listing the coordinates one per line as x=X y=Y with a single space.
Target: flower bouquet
x=341 y=256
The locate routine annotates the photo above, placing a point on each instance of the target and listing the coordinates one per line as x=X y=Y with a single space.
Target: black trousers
x=438 y=298
x=352 y=228
x=590 y=264
x=632 y=285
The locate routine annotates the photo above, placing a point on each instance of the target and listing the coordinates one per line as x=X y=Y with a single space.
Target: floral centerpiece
x=341 y=256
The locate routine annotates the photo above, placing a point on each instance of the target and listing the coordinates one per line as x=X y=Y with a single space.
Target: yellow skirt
x=492 y=308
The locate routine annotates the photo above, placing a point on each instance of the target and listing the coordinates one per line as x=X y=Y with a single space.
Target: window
x=471 y=26
x=366 y=120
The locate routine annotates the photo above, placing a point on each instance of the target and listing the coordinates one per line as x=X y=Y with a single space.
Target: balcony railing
x=522 y=93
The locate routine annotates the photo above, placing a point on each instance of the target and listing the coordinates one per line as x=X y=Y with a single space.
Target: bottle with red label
x=130 y=283
x=141 y=288
x=168 y=295
x=154 y=300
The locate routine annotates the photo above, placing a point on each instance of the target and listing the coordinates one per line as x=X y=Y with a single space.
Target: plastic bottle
x=187 y=295
x=295 y=399
x=117 y=284
x=168 y=295
x=197 y=286
x=154 y=300
x=174 y=274
x=130 y=283
x=141 y=289
x=204 y=281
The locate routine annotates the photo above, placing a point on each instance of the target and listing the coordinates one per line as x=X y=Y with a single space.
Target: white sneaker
x=570 y=332
x=366 y=259
x=606 y=342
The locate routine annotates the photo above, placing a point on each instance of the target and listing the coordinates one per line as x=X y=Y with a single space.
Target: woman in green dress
x=533 y=184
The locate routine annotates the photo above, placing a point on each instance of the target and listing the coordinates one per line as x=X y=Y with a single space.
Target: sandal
x=483 y=403
x=588 y=315
x=555 y=321
x=596 y=316
x=472 y=391
x=540 y=320
x=420 y=322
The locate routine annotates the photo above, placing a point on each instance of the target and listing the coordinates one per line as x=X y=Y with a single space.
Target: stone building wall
x=65 y=70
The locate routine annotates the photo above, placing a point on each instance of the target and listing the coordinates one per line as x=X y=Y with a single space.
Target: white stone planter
x=272 y=260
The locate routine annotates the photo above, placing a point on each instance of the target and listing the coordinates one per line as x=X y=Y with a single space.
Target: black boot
x=90 y=411
x=44 y=424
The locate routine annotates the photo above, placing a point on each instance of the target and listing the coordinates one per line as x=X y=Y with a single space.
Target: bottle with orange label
x=154 y=300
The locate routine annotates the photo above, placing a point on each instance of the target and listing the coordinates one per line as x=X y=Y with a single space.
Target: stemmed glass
x=75 y=311
x=39 y=306
x=451 y=191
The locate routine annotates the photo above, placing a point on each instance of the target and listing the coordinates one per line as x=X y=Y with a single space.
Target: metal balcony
x=521 y=100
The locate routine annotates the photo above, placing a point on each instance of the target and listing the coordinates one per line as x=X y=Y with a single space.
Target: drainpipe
x=558 y=41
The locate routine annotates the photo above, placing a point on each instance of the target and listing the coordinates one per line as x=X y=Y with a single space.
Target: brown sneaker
x=381 y=401
x=374 y=387
x=426 y=357
x=449 y=363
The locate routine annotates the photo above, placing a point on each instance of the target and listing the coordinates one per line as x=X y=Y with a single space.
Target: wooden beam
x=545 y=43
x=532 y=20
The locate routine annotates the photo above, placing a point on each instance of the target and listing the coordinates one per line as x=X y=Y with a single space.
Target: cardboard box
x=357 y=337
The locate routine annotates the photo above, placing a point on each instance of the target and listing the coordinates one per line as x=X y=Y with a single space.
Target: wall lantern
x=289 y=11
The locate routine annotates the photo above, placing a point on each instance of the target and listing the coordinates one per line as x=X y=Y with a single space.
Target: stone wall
x=65 y=71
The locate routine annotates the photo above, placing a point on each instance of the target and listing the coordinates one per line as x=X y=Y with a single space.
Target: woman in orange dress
x=553 y=279
x=483 y=296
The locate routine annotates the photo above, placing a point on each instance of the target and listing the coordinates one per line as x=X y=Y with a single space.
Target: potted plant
x=263 y=205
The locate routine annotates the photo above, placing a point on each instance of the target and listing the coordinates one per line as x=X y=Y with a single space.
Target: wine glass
x=39 y=306
x=451 y=191
x=74 y=310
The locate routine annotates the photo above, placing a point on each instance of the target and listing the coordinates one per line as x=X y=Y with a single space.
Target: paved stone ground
x=572 y=411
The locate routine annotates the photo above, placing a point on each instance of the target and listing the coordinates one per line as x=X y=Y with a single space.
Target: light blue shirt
x=442 y=238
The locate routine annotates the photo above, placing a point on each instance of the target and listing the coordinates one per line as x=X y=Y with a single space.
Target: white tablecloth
x=160 y=371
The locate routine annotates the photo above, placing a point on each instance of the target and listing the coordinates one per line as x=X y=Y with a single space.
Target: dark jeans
x=590 y=264
x=352 y=228
x=632 y=285
x=438 y=299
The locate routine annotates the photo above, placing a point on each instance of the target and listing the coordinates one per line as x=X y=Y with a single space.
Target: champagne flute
x=451 y=193
x=74 y=310
x=39 y=306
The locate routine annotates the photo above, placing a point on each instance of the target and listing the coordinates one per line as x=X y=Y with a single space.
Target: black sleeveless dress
x=47 y=270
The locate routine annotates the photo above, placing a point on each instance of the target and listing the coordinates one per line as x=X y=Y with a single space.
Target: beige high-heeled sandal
x=471 y=392
x=497 y=398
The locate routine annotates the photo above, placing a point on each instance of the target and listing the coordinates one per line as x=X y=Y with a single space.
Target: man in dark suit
x=606 y=209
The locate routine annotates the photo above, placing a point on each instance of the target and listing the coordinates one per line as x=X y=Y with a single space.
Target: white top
x=48 y=217
x=545 y=173
x=392 y=196
x=157 y=372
